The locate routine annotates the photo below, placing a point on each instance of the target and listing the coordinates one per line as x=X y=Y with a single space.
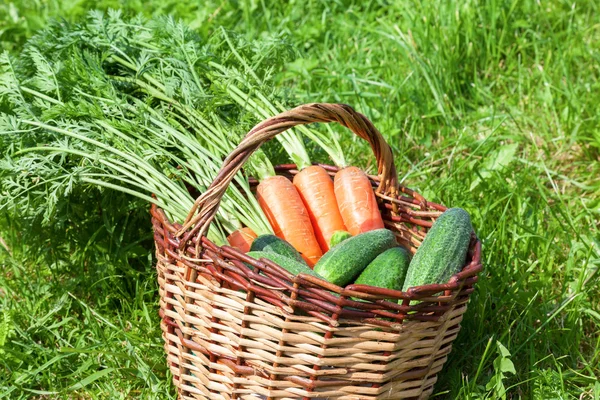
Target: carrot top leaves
x=128 y=105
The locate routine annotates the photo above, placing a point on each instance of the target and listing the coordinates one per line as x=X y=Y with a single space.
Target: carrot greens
x=129 y=106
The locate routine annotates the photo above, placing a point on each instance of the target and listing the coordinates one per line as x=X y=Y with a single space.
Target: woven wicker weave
x=231 y=332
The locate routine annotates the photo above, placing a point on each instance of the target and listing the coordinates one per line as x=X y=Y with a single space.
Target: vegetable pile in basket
x=333 y=229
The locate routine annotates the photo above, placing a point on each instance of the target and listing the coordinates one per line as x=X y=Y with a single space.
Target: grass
x=491 y=106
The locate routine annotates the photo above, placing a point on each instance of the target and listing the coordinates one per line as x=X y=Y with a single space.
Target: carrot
x=242 y=239
x=315 y=187
x=356 y=201
x=286 y=213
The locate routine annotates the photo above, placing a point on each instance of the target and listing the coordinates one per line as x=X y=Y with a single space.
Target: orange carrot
x=242 y=239
x=286 y=213
x=315 y=187
x=356 y=201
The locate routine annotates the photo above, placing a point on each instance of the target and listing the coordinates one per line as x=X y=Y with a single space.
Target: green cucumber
x=443 y=252
x=387 y=270
x=292 y=266
x=274 y=244
x=343 y=262
x=338 y=237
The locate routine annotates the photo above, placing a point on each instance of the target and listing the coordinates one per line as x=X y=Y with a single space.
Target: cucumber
x=274 y=244
x=387 y=270
x=338 y=237
x=443 y=252
x=292 y=266
x=343 y=262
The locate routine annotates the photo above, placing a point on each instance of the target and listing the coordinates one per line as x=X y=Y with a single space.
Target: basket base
x=280 y=352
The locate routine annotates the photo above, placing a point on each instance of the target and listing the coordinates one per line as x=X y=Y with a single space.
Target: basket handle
x=208 y=202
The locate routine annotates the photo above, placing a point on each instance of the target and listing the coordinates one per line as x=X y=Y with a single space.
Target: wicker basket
x=231 y=332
